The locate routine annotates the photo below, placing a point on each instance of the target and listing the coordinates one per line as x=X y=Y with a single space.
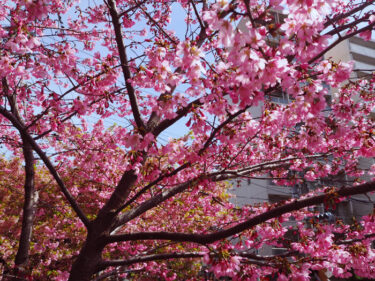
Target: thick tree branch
x=29 y=205
x=30 y=195
x=215 y=176
x=125 y=66
x=153 y=183
x=273 y=213
x=110 y=210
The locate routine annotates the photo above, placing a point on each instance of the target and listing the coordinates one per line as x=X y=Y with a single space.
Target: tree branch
x=151 y=184
x=179 y=114
x=110 y=210
x=351 y=241
x=115 y=272
x=349 y=13
x=125 y=67
x=188 y=164
x=337 y=30
x=75 y=87
x=273 y=213
x=217 y=176
x=30 y=195
x=151 y=203
x=229 y=174
x=154 y=123
x=159 y=27
x=132 y=8
x=147 y=258
x=167 y=256
x=48 y=164
x=248 y=12
x=370 y=26
x=29 y=205
x=202 y=25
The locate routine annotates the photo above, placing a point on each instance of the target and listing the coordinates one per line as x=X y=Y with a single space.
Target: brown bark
x=272 y=213
x=86 y=264
x=29 y=208
x=89 y=258
x=21 y=269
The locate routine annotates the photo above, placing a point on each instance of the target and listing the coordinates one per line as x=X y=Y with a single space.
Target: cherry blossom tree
x=85 y=197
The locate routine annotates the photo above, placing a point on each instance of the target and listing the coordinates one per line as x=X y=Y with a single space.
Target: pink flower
x=366 y=35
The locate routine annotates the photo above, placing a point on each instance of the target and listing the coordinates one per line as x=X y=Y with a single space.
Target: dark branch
x=151 y=203
x=188 y=164
x=369 y=27
x=29 y=205
x=132 y=8
x=147 y=258
x=338 y=29
x=48 y=164
x=179 y=114
x=30 y=195
x=349 y=13
x=351 y=241
x=273 y=213
x=159 y=27
x=153 y=183
x=167 y=256
x=125 y=66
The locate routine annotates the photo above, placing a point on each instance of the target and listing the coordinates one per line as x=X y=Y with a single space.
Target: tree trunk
x=86 y=265
x=21 y=270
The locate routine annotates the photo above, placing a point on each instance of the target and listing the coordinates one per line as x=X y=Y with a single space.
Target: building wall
x=362 y=53
x=258 y=191
x=358 y=50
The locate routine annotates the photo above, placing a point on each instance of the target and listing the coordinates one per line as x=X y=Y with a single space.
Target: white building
x=358 y=50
